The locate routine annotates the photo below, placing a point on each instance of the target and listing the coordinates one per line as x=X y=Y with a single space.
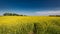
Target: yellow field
x=25 y=25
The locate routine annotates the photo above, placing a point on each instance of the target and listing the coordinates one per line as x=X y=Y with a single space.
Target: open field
x=29 y=25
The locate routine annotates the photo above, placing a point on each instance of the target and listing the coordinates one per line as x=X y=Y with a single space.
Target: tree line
x=12 y=14
x=54 y=15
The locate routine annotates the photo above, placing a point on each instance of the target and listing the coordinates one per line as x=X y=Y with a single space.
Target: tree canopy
x=12 y=14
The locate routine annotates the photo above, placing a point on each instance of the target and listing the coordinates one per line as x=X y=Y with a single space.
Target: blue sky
x=30 y=7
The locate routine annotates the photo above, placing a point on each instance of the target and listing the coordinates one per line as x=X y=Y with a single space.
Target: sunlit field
x=29 y=25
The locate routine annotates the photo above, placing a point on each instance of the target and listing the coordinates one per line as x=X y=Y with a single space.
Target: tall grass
x=29 y=25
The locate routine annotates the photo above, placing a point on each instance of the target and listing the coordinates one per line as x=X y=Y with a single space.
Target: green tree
x=12 y=14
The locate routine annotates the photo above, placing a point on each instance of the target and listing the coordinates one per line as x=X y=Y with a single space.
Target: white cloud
x=47 y=12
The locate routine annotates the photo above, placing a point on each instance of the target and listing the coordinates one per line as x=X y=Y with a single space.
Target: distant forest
x=12 y=14
x=54 y=15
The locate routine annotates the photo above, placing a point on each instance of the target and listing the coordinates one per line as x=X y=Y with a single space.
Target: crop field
x=29 y=25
